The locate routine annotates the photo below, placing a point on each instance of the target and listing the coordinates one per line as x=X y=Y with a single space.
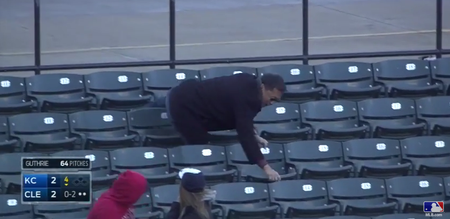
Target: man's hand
x=261 y=141
x=272 y=174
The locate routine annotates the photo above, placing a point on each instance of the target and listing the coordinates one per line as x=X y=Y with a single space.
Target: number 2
x=53 y=180
x=53 y=194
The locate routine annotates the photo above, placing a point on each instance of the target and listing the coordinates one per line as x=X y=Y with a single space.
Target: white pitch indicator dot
x=84 y=193
x=79 y=194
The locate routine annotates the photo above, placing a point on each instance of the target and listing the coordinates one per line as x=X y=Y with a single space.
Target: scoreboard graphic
x=56 y=180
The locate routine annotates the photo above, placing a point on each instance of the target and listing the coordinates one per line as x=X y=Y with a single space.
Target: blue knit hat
x=192 y=180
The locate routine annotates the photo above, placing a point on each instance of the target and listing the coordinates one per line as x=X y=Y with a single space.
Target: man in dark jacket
x=225 y=103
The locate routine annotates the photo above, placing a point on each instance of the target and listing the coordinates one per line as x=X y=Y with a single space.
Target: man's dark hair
x=273 y=81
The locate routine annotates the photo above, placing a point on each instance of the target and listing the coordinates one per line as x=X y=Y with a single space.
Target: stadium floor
x=115 y=31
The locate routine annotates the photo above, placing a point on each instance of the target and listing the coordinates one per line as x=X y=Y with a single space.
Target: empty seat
x=244 y=200
x=375 y=157
x=102 y=129
x=435 y=111
x=12 y=208
x=58 y=92
x=405 y=78
x=120 y=90
x=430 y=155
x=440 y=71
x=210 y=159
x=221 y=71
x=102 y=175
x=153 y=163
x=280 y=122
x=411 y=191
x=299 y=79
x=164 y=196
x=274 y=155
x=402 y=216
x=7 y=145
x=69 y=211
x=158 y=82
x=332 y=119
x=153 y=127
x=302 y=198
x=347 y=80
x=317 y=159
x=11 y=170
x=361 y=196
x=13 y=98
x=45 y=132
x=391 y=117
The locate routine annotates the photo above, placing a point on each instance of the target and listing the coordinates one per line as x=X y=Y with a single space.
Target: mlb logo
x=433 y=207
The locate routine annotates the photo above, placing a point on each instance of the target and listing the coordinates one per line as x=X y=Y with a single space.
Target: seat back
x=12 y=208
x=299 y=80
x=308 y=156
x=5 y=137
x=404 y=77
x=36 y=130
x=324 y=115
x=159 y=82
x=346 y=80
x=221 y=71
x=440 y=71
x=207 y=158
x=390 y=117
x=243 y=194
x=435 y=111
x=147 y=160
x=120 y=90
x=164 y=196
x=273 y=153
x=369 y=156
x=430 y=155
x=13 y=96
x=57 y=92
x=68 y=211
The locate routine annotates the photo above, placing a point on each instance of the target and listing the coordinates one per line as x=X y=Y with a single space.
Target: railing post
x=37 y=36
x=305 y=30
x=172 y=34
x=439 y=28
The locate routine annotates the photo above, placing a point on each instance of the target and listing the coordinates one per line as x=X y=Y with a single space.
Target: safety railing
x=173 y=62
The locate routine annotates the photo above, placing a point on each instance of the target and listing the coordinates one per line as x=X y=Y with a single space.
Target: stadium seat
x=58 y=92
x=7 y=145
x=12 y=208
x=317 y=159
x=221 y=71
x=361 y=196
x=42 y=132
x=153 y=127
x=302 y=198
x=375 y=158
x=447 y=186
x=440 y=71
x=405 y=78
x=391 y=117
x=435 y=111
x=13 y=98
x=158 y=82
x=332 y=119
x=244 y=200
x=347 y=80
x=68 y=211
x=402 y=216
x=116 y=90
x=224 y=138
x=164 y=196
x=102 y=129
x=210 y=159
x=102 y=175
x=411 y=191
x=274 y=155
x=430 y=155
x=153 y=163
x=11 y=170
x=280 y=123
x=299 y=79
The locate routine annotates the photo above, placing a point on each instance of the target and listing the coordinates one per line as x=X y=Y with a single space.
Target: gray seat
x=13 y=96
x=12 y=208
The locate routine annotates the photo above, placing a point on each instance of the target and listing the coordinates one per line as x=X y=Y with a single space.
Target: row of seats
x=281 y=122
x=376 y=158
x=395 y=198
x=126 y=90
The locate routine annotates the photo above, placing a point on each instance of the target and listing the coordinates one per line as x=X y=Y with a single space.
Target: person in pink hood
x=117 y=202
